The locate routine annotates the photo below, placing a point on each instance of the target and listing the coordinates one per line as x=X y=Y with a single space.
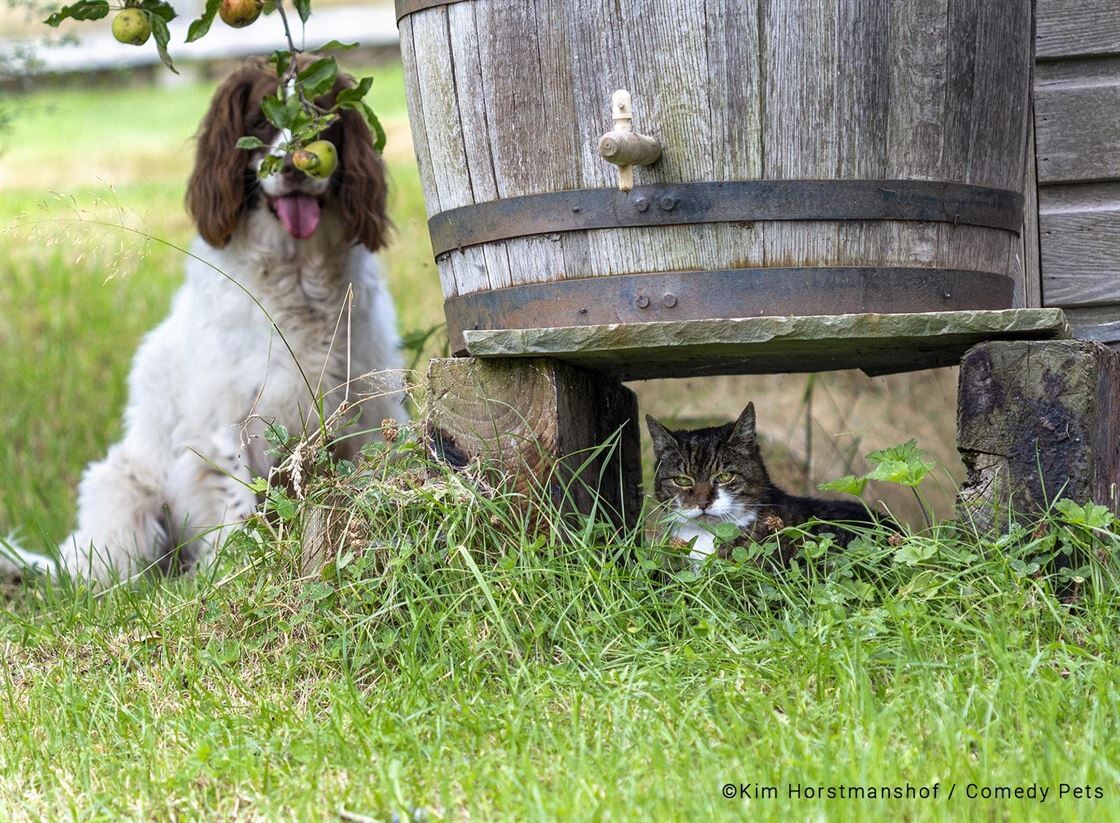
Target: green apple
x=131 y=26
x=316 y=159
x=240 y=13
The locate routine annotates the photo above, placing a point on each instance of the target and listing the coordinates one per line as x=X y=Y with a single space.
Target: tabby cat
x=716 y=475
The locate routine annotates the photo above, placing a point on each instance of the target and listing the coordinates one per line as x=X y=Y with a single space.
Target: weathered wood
x=732 y=89
x=1097 y=323
x=539 y=422
x=1076 y=27
x=1028 y=247
x=1081 y=244
x=876 y=343
x=1078 y=129
x=1037 y=420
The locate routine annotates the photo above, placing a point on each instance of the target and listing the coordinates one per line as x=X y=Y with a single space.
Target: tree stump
x=540 y=421
x=1037 y=420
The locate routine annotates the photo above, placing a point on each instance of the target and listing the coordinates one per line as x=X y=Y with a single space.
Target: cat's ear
x=744 y=427
x=662 y=438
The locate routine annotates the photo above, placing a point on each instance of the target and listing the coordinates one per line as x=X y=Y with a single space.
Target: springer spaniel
x=282 y=301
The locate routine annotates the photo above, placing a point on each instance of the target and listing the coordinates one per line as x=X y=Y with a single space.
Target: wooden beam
x=540 y=421
x=1037 y=420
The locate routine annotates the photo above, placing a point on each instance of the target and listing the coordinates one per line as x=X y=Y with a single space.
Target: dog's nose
x=288 y=168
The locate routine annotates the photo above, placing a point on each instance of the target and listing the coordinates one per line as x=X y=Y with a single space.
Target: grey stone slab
x=876 y=343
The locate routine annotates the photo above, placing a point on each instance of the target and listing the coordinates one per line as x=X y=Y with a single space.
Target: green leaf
x=318 y=78
x=163 y=37
x=905 y=473
x=281 y=504
x=303 y=7
x=914 y=552
x=376 y=127
x=277 y=113
x=355 y=94
x=202 y=25
x=337 y=45
x=82 y=10
x=904 y=452
x=250 y=143
x=848 y=484
x=726 y=532
x=160 y=9
x=1091 y=515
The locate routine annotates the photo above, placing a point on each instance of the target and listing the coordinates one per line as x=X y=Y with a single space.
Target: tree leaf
x=160 y=9
x=202 y=25
x=318 y=78
x=277 y=113
x=376 y=127
x=250 y=143
x=162 y=36
x=82 y=10
x=337 y=45
x=303 y=7
x=355 y=94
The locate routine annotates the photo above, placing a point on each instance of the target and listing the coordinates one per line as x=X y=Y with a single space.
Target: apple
x=316 y=159
x=240 y=13
x=131 y=26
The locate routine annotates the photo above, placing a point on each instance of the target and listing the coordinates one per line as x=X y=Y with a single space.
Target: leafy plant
x=294 y=109
x=904 y=464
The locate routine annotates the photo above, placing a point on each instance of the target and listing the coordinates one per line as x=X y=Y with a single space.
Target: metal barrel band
x=739 y=201
x=407 y=7
x=726 y=293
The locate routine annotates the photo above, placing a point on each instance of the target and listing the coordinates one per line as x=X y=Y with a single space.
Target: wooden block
x=539 y=420
x=1037 y=420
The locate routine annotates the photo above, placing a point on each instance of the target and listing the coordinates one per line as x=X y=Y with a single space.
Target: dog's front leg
x=208 y=497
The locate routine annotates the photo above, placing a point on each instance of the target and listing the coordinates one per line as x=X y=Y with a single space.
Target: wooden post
x=539 y=420
x=1037 y=420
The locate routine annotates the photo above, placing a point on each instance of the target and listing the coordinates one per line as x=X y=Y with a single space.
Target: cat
x=716 y=475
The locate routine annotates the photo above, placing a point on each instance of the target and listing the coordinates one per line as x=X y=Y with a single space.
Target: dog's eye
x=259 y=123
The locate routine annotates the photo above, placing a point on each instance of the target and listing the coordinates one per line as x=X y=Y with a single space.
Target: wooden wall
x=1077 y=133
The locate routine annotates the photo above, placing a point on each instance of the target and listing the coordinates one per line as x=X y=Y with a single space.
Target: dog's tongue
x=299 y=213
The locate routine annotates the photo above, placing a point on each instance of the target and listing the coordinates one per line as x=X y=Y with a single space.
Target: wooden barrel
x=818 y=158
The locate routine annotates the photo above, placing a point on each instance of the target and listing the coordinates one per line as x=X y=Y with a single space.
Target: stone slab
x=875 y=343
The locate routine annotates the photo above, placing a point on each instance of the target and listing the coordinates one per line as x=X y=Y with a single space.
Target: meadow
x=451 y=663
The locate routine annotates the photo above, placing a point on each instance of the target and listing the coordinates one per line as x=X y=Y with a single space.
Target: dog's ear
x=216 y=193
x=361 y=187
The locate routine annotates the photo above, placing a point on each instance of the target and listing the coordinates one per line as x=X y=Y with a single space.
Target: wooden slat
x=1098 y=323
x=1080 y=244
x=529 y=134
x=1076 y=27
x=1077 y=121
x=470 y=90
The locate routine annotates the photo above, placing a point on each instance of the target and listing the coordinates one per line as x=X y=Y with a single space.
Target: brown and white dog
x=282 y=301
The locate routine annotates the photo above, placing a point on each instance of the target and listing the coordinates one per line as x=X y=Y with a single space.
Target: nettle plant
x=293 y=110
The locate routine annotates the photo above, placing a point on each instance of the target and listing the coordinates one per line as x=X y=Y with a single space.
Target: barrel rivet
x=668 y=203
x=642 y=301
x=669 y=300
x=642 y=203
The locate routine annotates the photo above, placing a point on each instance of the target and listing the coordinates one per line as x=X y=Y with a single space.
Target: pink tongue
x=299 y=213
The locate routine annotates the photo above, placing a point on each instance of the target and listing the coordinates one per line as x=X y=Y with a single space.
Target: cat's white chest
x=705 y=543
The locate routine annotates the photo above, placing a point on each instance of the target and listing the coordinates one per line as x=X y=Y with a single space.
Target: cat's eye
x=682 y=481
x=725 y=477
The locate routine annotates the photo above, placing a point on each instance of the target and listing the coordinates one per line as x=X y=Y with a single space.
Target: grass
x=448 y=662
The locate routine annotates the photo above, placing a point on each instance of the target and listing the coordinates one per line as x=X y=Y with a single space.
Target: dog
x=283 y=304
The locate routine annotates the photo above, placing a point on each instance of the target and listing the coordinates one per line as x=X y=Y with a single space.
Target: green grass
x=448 y=660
